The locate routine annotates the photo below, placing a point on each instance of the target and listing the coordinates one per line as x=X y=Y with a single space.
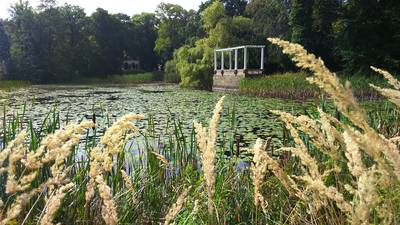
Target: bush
x=170 y=73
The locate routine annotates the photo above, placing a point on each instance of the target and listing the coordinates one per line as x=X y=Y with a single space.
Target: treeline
x=59 y=43
x=54 y=42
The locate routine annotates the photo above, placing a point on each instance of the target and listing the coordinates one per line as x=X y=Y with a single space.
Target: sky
x=129 y=7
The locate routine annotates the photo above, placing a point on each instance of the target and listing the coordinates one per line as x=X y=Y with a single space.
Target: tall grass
x=340 y=168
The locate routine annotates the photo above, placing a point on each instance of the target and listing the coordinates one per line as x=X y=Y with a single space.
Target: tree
x=4 y=52
x=300 y=20
x=23 y=36
x=271 y=19
x=194 y=63
x=235 y=7
x=107 y=35
x=324 y=14
x=232 y=7
x=369 y=34
x=177 y=26
x=143 y=35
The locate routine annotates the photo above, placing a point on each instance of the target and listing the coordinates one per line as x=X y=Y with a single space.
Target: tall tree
x=23 y=36
x=143 y=35
x=271 y=19
x=324 y=14
x=177 y=26
x=369 y=34
x=300 y=20
x=232 y=7
x=107 y=38
x=4 y=52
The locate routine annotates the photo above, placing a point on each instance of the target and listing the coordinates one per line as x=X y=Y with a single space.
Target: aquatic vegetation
x=337 y=164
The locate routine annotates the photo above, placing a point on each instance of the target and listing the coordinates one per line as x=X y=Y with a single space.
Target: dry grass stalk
x=366 y=197
x=259 y=168
x=162 y=159
x=127 y=179
x=54 y=203
x=206 y=141
x=389 y=77
x=373 y=143
x=102 y=160
x=23 y=199
x=176 y=207
x=108 y=209
x=113 y=140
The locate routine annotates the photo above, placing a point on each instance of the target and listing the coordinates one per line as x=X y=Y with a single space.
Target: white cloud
x=129 y=7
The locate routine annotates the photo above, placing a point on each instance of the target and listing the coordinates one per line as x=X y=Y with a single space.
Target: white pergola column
x=262 y=58
x=230 y=59
x=222 y=60
x=236 y=58
x=245 y=58
x=215 y=60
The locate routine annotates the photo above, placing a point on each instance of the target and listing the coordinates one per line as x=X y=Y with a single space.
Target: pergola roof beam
x=239 y=47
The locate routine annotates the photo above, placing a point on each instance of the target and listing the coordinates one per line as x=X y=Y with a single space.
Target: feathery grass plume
x=389 y=77
x=23 y=199
x=373 y=143
x=206 y=141
x=312 y=176
x=330 y=192
x=196 y=208
x=177 y=206
x=101 y=161
x=392 y=94
x=54 y=203
x=127 y=179
x=366 y=197
x=113 y=140
x=108 y=209
x=16 y=143
x=259 y=168
x=162 y=159
x=300 y=150
x=353 y=155
x=57 y=147
x=17 y=153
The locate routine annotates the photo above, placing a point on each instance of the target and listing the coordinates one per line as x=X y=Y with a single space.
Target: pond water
x=162 y=102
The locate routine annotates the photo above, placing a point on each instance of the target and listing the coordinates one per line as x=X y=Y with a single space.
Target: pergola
x=235 y=50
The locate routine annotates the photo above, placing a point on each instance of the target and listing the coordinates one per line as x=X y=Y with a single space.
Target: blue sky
x=129 y=7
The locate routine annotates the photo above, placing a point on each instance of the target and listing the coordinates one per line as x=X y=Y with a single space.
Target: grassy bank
x=295 y=86
x=286 y=85
x=134 y=78
x=12 y=84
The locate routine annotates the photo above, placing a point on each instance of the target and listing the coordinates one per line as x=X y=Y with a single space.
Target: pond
x=251 y=115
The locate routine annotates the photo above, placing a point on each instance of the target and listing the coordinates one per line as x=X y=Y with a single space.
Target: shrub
x=170 y=73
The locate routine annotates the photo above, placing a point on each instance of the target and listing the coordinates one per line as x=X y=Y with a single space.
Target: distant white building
x=130 y=65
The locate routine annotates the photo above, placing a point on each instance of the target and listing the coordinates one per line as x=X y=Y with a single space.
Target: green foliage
x=59 y=43
x=177 y=26
x=4 y=52
x=11 y=84
x=212 y=15
x=232 y=7
x=301 y=21
x=369 y=34
x=170 y=73
x=287 y=85
x=194 y=64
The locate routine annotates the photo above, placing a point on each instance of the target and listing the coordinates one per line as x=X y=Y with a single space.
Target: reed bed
x=338 y=166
